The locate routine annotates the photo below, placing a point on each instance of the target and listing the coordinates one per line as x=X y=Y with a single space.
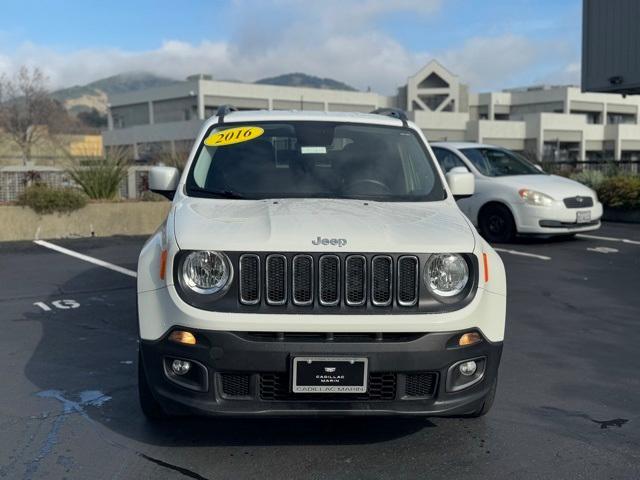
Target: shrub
x=590 y=178
x=100 y=178
x=620 y=192
x=44 y=199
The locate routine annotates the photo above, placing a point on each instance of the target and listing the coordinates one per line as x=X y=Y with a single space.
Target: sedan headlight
x=206 y=272
x=535 y=198
x=446 y=274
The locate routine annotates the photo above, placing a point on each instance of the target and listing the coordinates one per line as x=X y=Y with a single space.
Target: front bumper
x=258 y=366
x=553 y=220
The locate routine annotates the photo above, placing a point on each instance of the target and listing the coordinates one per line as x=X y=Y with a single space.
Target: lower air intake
x=421 y=384
x=235 y=385
x=275 y=387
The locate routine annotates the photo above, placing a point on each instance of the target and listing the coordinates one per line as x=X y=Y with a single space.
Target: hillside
x=94 y=95
x=304 y=80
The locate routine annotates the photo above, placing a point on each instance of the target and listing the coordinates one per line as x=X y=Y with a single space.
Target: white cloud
x=333 y=38
x=567 y=74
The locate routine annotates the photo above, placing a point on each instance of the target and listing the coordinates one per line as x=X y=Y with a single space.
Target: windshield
x=314 y=160
x=494 y=162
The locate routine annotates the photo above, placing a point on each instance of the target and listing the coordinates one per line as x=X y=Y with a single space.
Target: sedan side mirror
x=461 y=182
x=164 y=180
x=539 y=167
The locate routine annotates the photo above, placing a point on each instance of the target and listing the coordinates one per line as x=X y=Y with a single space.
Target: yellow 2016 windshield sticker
x=233 y=135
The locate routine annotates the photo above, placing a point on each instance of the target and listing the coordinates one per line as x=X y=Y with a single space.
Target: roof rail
x=224 y=110
x=393 y=112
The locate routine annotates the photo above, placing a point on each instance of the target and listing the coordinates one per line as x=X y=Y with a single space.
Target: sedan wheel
x=496 y=224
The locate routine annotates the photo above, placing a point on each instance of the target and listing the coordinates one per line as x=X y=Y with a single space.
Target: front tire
x=497 y=224
x=149 y=405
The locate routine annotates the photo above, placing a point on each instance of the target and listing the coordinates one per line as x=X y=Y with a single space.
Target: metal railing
x=14 y=180
x=607 y=167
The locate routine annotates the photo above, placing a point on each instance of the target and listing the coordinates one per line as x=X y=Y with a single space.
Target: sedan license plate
x=330 y=375
x=583 y=217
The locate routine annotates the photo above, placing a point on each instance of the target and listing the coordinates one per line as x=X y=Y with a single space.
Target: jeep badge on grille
x=340 y=242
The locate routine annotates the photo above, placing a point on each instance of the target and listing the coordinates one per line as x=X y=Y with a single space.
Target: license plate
x=583 y=217
x=330 y=375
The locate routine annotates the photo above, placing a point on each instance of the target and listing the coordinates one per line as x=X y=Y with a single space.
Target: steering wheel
x=377 y=183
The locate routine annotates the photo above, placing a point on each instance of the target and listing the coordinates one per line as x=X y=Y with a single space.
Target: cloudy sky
x=490 y=44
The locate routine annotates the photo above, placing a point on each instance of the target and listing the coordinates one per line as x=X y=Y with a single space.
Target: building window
x=129 y=115
x=592 y=117
x=619 y=118
x=556 y=151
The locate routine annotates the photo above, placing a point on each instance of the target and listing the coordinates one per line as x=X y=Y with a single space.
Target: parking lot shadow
x=541 y=240
x=86 y=359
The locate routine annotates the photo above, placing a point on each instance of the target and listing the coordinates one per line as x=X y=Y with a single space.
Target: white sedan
x=514 y=196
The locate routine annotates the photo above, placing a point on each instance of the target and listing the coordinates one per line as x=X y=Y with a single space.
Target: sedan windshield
x=314 y=160
x=494 y=162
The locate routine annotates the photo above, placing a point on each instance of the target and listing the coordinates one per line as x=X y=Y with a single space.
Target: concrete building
x=550 y=123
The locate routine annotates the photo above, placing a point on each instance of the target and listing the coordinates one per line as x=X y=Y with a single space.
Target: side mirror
x=461 y=182
x=539 y=167
x=164 y=180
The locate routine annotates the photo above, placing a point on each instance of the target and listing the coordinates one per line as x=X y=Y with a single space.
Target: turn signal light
x=180 y=336
x=163 y=264
x=470 y=338
x=485 y=261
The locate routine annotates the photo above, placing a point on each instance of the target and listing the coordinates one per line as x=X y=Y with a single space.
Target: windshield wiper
x=217 y=193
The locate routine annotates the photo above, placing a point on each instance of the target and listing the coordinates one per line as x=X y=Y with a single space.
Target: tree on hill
x=27 y=112
x=93 y=119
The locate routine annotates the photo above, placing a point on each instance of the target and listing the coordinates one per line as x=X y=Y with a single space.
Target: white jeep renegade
x=317 y=263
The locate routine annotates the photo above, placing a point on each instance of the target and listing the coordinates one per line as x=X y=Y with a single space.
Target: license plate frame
x=583 y=216
x=341 y=375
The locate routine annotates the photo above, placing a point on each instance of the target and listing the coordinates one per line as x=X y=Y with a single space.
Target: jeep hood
x=293 y=224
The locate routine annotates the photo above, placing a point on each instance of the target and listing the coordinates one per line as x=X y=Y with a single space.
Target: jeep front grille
x=381 y=281
x=302 y=280
x=329 y=280
x=329 y=276
x=249 y=279
x=407 y=281
x=355 y=280
x=276 y=275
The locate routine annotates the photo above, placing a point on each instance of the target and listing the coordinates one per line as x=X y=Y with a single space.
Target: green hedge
x=43 y=199
x=590 y=178
x=620 y=192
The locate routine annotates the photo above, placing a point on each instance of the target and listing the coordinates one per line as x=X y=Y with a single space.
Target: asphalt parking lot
x=568 y=402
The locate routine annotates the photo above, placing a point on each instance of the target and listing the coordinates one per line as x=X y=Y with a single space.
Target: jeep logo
x=340 y=242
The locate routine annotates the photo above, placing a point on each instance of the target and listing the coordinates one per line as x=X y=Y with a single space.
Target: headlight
x=206 y=272
x=446 y=274
x=535 y=198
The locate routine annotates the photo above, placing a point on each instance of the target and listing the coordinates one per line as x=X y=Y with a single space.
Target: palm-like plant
x=100 y=178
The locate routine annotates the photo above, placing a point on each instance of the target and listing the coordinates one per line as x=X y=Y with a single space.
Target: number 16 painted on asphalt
x=60 y=304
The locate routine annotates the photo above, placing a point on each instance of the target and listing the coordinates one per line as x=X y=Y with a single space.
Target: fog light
x=467 y=368
x=179 y=336
x=469 y=339
x=182 y=367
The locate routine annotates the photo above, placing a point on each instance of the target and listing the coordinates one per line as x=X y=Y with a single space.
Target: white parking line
x=609 y=239
x=603 y=250
x=86 y=258
x=523 y=254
